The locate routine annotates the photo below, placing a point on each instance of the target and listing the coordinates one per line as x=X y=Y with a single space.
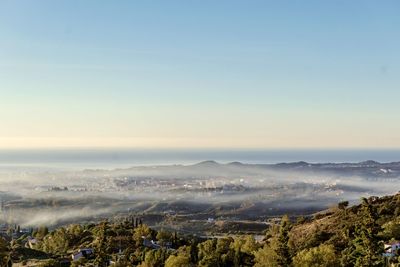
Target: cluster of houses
x=89 y=253
x=9 y=232
x=392 y=249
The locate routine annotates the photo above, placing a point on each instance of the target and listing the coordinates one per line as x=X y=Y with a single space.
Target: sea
x=124 y=158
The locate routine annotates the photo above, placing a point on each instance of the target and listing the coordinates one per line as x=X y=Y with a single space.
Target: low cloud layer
x=40 y=196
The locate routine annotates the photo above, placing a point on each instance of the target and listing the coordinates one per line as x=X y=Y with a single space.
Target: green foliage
x=163 y=236
x=194 y=251
x=318 y=237
x=207 y=254
x=321 y=256
x=355 y=233
x=243 y=249
x=63 y=239
x=101 y=245
x=178 y=261
x=56 y=242
x=5 y=259
x=142 y=231
x=27 y=253
x=155 y=258
x=365 y=248
x=391 y=230
x=238 y=251
x=41 y=232
x=266 y=256
x=282 y=250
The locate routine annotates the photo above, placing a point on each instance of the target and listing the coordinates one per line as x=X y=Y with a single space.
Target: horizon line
x=131 y=148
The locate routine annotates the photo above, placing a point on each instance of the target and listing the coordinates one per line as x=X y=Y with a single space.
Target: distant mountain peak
x=207 y=163
x=369 y=162
x=294 y=164
x=235 y=163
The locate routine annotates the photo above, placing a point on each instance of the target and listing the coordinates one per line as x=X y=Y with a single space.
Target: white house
x=83 y=252
x=392 y=249
x=32 y=242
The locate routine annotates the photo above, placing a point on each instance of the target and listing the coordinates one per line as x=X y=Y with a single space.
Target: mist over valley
x=190 y=194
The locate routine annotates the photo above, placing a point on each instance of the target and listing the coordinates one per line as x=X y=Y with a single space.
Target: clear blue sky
x=236 y=74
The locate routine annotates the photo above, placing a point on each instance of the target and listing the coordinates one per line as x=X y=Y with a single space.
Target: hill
x=339 y=236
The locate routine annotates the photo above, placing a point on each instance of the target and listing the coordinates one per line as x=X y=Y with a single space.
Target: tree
x=282 y=250
x=207 y=253
x=267 y=256
x=163 y=237
x=391 y=230
x=41 y=232
x=321 y=256
x=194 y=251
x=155 y=258
x=243 y=249
x=5 y=259
x=366 y=247
x=56 y=242
x=101 y=245
x=343 y=205
x=178 y=261
x=140 y=232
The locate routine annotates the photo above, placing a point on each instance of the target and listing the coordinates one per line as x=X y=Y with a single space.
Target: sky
x=199 y=74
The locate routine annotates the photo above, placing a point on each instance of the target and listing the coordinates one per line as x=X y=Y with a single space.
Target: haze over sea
x=124 y=158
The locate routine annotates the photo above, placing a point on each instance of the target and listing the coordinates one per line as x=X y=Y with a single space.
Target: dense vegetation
x=341 y=236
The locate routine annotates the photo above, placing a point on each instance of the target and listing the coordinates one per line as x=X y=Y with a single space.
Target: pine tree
x=282 y=250
x=101 y=245
x=368 y=248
